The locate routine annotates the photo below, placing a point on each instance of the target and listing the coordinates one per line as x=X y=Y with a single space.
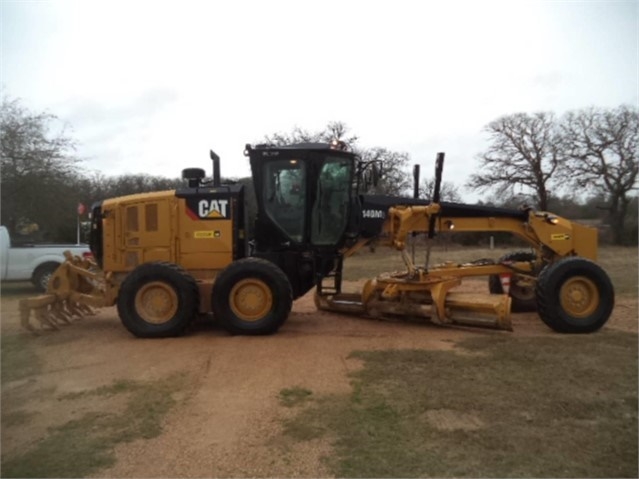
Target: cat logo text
x=213 y=209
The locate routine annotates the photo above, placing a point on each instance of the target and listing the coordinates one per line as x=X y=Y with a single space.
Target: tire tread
x=547 y=293
x=187 y=288
x=265 y=270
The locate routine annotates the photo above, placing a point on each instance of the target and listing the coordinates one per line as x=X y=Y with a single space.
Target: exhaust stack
x=216 y=169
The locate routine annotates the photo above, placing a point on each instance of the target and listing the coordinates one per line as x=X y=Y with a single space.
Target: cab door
x=284 y=196
x=332 y=201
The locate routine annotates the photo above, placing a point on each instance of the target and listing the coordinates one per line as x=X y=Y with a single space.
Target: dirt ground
x=228 y=421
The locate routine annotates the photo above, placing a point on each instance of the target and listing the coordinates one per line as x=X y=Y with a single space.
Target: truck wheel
x=523 y=298
x=42 y=275
x=574 y=295
x=158 y=300
x=251 y=296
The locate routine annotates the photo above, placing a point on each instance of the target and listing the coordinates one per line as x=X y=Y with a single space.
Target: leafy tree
x=603 y=146
x=138 y=183
x=524 y=150
x=39 y=173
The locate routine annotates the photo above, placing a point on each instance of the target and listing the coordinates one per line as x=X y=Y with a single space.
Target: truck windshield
x=331 y=209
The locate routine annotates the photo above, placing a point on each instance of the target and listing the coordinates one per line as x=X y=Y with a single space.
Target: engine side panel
x=201 y=230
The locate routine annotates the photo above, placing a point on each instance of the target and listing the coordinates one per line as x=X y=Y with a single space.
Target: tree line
x=586 y=153
x=535 y=158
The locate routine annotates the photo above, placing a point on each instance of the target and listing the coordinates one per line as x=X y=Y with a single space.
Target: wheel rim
x=523 y=293
x=251 y=299
x=579 y=297
x=156 y=302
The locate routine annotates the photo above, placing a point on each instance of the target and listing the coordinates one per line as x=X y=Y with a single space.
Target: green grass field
x=508 y=407
x=557 y=406
x=86 y=445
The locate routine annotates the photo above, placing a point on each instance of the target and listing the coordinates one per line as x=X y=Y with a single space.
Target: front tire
x=158 y=300
x=574 y=295
x=252 y=296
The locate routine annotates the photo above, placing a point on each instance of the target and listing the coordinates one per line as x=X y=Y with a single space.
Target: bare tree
x=448 y=191
x=39 y=172
x=524 y=150
x=335 y=130
x=602 y=144
x=390 y=165
x=391 y=169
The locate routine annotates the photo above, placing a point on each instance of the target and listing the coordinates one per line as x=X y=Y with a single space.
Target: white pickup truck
x=33 y=262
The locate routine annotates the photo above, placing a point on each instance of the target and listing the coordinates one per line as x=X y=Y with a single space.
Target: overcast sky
x=149 y=87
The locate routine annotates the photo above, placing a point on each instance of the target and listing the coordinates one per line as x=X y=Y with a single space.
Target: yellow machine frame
x=426 y=292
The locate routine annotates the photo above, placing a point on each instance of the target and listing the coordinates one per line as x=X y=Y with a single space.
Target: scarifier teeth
x=73 y=309
x=51 y=315
x=42 y=315
x=57 y=311
x=86 y=309
x=24 y=321
x=73 y=284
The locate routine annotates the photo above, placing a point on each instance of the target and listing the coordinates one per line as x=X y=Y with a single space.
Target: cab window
x=331 y=209
x=284 y=196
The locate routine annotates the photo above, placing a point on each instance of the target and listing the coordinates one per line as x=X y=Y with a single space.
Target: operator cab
x=305 y=204
x=304 y=194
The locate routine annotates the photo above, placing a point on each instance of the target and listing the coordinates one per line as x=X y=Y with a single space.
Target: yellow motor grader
x=164 y=257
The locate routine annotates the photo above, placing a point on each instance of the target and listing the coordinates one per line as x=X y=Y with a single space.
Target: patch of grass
x=622 y=266
x=19 y=359
x=294 y=396
x=118 y=387
x=563 y=406
x=16 y=418
x=83 y=446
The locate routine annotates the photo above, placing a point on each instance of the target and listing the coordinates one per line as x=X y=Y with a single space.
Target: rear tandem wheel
x=251 y=296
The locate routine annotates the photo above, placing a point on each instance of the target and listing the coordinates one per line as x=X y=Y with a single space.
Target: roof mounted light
x=338 y=145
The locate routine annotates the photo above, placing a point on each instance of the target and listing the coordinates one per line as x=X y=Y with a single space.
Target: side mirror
x=375 y=174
